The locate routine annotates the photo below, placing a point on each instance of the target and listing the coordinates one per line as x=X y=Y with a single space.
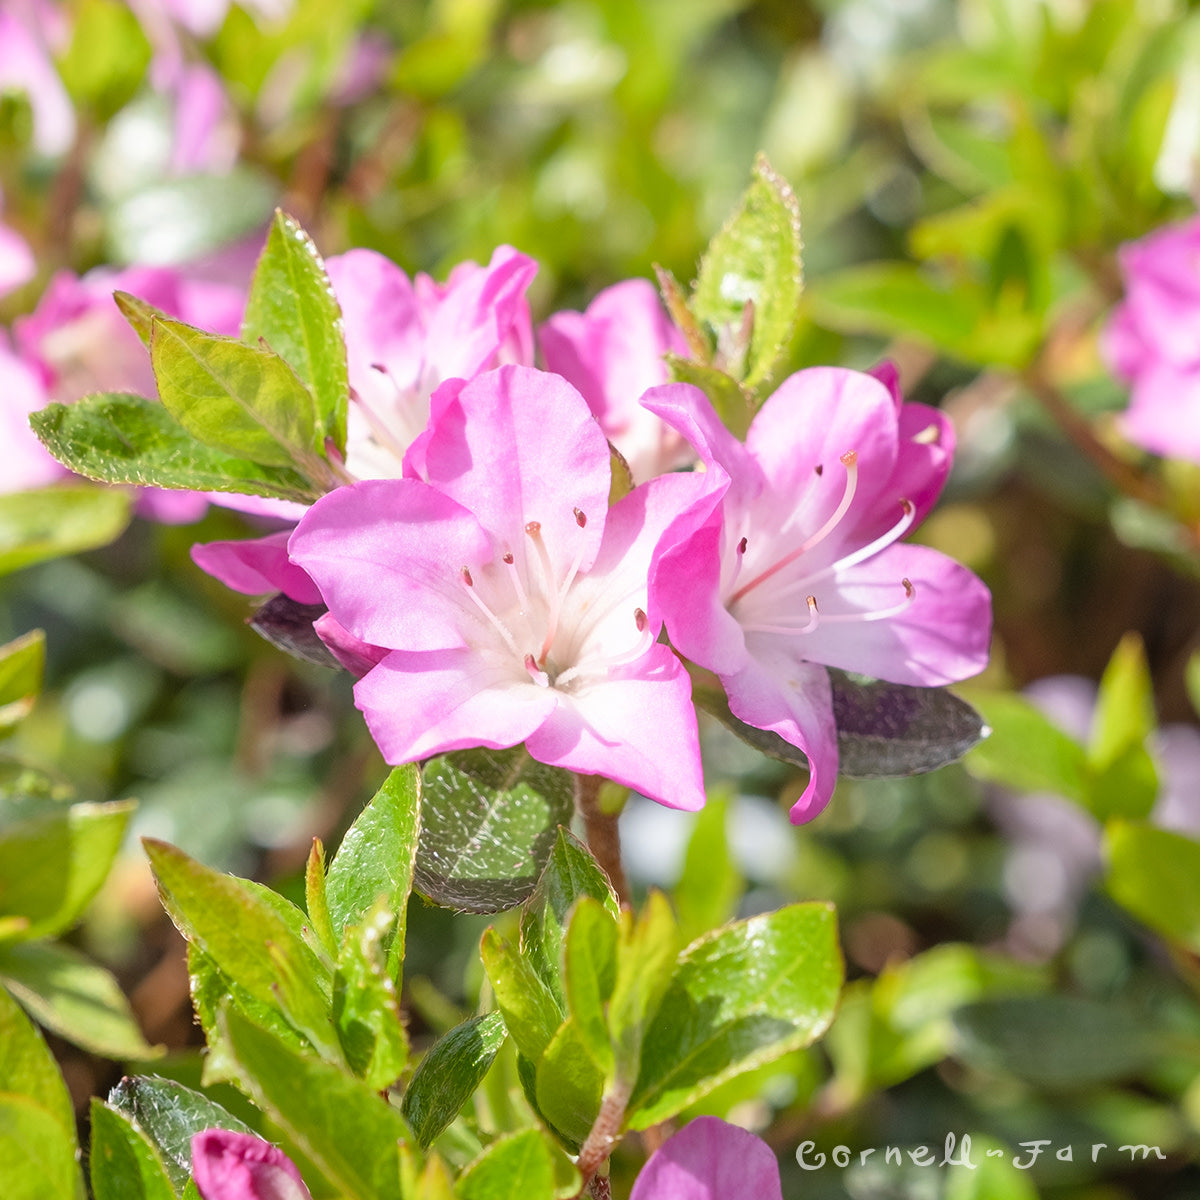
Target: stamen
x=879 y=614
x=608 y=661
x=897 y=531
x=814 y=619
x=819 y=469
x=556 y=592
x=850 y=461
x=517 y=582
x=482 y=605
x=539 y=676
x=580 y=517
x=380 y=430
x=741 y=558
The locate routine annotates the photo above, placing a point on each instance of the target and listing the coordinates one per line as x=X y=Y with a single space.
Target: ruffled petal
x=256 y=566
x=709 y=1159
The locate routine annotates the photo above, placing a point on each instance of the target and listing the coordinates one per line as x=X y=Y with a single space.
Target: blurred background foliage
x=965 y=170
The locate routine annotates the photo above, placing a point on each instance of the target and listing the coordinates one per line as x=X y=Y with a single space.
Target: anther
x=590 y=661
x=482 y=605
x=539 y=676
x=466 y=576
x=819 y=469
x=742 y=545
x=508 y=558
x=580 y=517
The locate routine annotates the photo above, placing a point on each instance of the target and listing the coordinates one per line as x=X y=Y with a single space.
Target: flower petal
x=710 y=1159
x=637 y=726
x=239 y=1166
x=257 y=566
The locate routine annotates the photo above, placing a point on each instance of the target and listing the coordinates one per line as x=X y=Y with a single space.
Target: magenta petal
x=942 y=637
x=710 y=1159
x=240 y=1166
x=637 y=728
x=257 y=566
x=421 y=704
x=357 y=656
x=1161 y=394
x=792 y=698
x=520 y=445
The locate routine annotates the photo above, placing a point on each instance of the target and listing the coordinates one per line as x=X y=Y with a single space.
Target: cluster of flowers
x=706 y=1160
x=479 y=582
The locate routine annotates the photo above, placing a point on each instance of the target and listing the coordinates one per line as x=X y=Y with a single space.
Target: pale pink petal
x=417 y=705
x=240 y=1166
x=709 y=1159
x=638 y=729
x=1124 y=345
x=521 y=446
x=206 y=132
x=357 y=656
x=24 y=461
x=169 y=507
x=256 y=567
x=17 y=264
x=387 y=555
x=1162 y=274
x=26 y=66
x=1158 y=419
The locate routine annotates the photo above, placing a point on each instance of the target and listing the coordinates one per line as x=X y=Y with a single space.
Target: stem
x=603 y=1135
x=603 y=836
x=600 y=1188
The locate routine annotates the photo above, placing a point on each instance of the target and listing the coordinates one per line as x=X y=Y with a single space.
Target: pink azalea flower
x=240 y=1166
x=31 y=31
x=76 y=341
x=17 y=264
x=510 y=599
x=709 y=1159
x=800 y=565
x=403 y=339
x=612 y=353
x=1152 y=343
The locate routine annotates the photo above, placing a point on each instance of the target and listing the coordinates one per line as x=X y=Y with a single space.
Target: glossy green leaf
x=589 y=975
x=1055 y=1041
x=106 y=57
x=489 y=820
x=646 y=954
x=51 y=866
x=710 y=886
x=449 y=1073
x=726 y=395
x=50 y=522
x=21 y=665
x=168 y=1115
x=73 y=996
x=119 y=438
x=123 y=1163
x=240 y=399
x=519 y=1166
x=37 y=1156
x=570 y=873
x=753 y=261
x=365 y=1011
x=1126 y=782
x=1026 y=751
x=27 y=1068
x=569 y=1085
x=293 y=310
x=247 y=939
x=349 y=1132
x=315 y=899
x=742 y=996
x=1155 y=874
x=526 y=1003
x=376 y=858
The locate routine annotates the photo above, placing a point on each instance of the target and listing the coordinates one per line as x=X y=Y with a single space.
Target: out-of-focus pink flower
x=512 y=600
x=30 y=32
x=17 y=264
x=1153 y=340
x=404 y=338
x=612 y=353
x=800 y=565
x=240 y=1166
x=709 y=1159
x=76 y=341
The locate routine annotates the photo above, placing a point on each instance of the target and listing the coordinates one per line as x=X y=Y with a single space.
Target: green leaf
x=742 y=996
x=376 y=859
x=27 y=1068
x=288 y=625
x=519 y=1166
x=754 y=261
x=994 y=1178
x=248 y=940
x=646 y=953
x=348 y=1131
x=892 y=729
x=21 y=665
x=570 y=873
x=293 y=310
x=1155 y=874
x=365 y=1012
x=488 y=824
x=589 y=974
x=37 y=1157
x=51 y=866
x=106 y=57
x=315 y=900
x=569 y=1086
x=446 y=1078
x=73 y=996
x=1055 y=1041
x=526 y=1003
x=1192 y=681
x=119 y=438
x=710 y=887
x=730 y=401
x=169 y=1115
x=240 y=399
x=124 y=1165
x=50 y=522
x=1027 y=751
x=140 y=315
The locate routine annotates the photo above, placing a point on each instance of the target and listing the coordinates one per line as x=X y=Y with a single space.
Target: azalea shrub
x=646 y=669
